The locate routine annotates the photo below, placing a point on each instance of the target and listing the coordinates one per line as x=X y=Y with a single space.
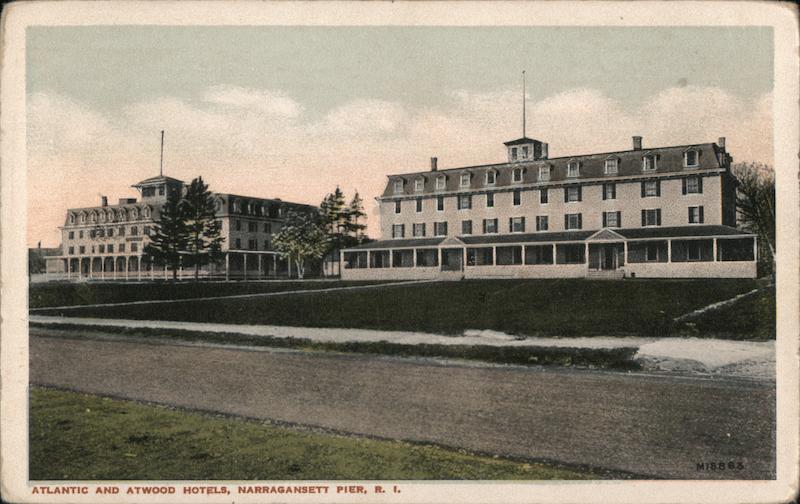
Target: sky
x=292 y=112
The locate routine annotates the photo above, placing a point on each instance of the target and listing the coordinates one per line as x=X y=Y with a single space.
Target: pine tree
x=333 y=214
x=302 y=237
x=169 y=238
x=356 y=220
x=204 y=242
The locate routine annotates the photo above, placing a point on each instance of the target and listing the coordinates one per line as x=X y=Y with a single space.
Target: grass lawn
x=562 y=307
x=84 y=437
x=69 y=294
x=752 y=317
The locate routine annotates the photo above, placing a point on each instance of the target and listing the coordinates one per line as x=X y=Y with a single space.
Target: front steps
x=605 y=274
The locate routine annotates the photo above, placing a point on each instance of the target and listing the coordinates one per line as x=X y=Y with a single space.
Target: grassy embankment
x=563 y=307
x=751 y=317
x=83 y=437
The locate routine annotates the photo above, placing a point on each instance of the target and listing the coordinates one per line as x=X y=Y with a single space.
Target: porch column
x=669 y=251
x=625 y=252
x=260 y=261
x=152 y=270
x=102 y=268
x=391 y=258
x=586 y=255
x=139 y=269
x=275 y=265
x=227 y=266
x=555 y=262
x=714 y=250
x=413 y=258
x=165 y=272
x=494 y=255
x=114 y=269
x=69 y=267
x=91 y=267
x=289 y=266
x=755 y=248
x=245 y=265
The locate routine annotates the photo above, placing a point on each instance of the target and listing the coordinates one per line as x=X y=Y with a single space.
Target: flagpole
x=523 y=104
x=161 y=167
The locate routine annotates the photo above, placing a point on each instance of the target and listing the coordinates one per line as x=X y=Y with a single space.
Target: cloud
x=262 y=143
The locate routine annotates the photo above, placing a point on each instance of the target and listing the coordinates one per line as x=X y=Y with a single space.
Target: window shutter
x=523 y=224
x=604 y=191
x=580 y=221
x=605 y=219
x=701 y=215
x=690 y=215
x=658 y=188
x=683 y=186
x=510 y=225
x=484 y=226
x=619 y=219
x=700 y=185
x=644 y=217
x=658 y=217
x=642 y=188
x=614 y=191
x=566 y=221
x=580 y=193
x=566 y=194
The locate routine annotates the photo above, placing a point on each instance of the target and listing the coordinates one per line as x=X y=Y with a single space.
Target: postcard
x=392 y=252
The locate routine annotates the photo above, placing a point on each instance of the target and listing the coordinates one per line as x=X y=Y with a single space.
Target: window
x=440 y=228
x=570 y=254
x=161 y=190
x=121 y=231
x=93 y=217
x=252 y=244
x=695 y=215
x=83 y=218
x=419 y=205
x=267 y=227
x=80 y=234
x=524 y=151
x=427 y=258
x=398 y=186
x=491 y=177
x=513 y=153
x=464 y=180
x=237 y=225
x=266 y=244
x=539 y=254
x=692 y=185
x=651 y=217
x=572 y=193
x=440 y=182
x=238 y=243
x=71 y=235
x=134 y=213
x=649 y=162
x=489 y=200
x=652 y=252
x=541 y=223
x=516 y=224
x=82 y=249
x=147 y=230
x=612 y=219
x=543 y=196
x=252 y=227
x=134 y=247
x=397 y=206
x=690 y=158
x=489 y=226
x=71 y=251
x=101 y=233
x=573 y=221
x=418 y=229
x=102 y=249
x=464 y=202
x=517 y=197
x=110 y=232
x=651 y=188
x=122 y=247
x=480 y=256
x=440 y=203
x=573 y=169
x=419 y=184
x=466 y=227
x=508 y=255
x=134 y=230
x=516 y=175
x=398 y=230
x=612 y=166
x=544 y=173
x=609 y=191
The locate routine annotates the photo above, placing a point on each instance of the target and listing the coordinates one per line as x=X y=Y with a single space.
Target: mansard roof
x=591 y=166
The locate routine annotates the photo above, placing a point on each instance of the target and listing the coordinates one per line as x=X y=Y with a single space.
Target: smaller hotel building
x=106 y=242
x=644 y=213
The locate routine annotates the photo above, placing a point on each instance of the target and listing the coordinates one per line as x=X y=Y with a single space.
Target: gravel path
x=662 y=426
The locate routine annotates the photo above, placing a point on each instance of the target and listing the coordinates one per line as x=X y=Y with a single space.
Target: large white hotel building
x=642 y=212
x=106 y=242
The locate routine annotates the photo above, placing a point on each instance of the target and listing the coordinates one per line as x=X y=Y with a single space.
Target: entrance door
x=608 y=257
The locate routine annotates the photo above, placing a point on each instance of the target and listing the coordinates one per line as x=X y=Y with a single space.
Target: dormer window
x=134 y=214
x=146 y=212
x=544 y=173
x=419 y=184
x=464 y=180
x=649 y=162
x=513 y=153
x=491 y=177
x=612 y=166
x=516 y=175
x=525 y=151
x=691 y=158
x=573 y=169
x=440 y=182
x=398 y=186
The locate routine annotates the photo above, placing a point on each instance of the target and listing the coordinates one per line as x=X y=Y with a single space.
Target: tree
x=204 y=242
x=356 y=216
x=302 y=237
x=169 y=239
x=755 y=204
x=334 y=217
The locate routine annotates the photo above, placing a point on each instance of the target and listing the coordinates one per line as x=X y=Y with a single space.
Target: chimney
x=544 y=151
x=637 y=143
x=433 y=164
x=103 y=200
x=721 y=143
